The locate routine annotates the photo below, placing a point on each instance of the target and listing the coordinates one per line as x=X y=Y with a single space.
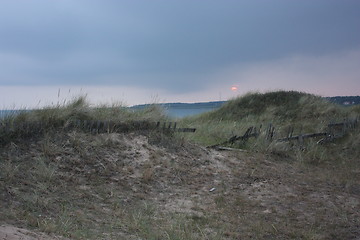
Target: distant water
x=180 y=110
x=186 y=112
x=4 y=113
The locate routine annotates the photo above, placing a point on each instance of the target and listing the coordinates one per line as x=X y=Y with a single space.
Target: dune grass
x=284 y=110
x=30 y=123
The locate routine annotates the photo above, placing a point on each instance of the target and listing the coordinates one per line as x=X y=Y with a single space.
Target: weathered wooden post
x=290 y=132
x=270 y=132
x=301 y=141
x=344 y=127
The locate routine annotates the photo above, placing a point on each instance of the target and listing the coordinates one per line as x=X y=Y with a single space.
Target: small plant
x=9 y=171
x=148 y=174
x=44 y=170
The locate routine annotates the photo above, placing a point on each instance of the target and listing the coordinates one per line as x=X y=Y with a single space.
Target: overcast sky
x=143 y=51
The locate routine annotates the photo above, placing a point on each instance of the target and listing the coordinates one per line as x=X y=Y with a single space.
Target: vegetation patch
x=150 y=184
x=285 y=114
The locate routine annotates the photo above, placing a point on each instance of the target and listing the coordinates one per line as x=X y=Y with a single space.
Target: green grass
x=281 y=106
x=303 y=112
x=39 y=121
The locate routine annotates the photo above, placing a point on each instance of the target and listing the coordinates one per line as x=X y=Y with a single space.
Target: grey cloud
x=168 y=44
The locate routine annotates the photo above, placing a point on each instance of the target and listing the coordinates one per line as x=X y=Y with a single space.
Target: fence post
x=290 y=132
x=301 y=141
x=270 y=132
x=344 y=127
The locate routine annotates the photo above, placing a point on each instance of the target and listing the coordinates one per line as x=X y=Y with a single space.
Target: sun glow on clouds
x=330 y=75
x=234 y=88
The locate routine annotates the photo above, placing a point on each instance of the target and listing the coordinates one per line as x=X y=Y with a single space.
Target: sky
x=153 y=51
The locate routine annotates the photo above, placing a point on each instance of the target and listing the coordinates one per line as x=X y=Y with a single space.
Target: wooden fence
x=333 y=131
x=92 y=126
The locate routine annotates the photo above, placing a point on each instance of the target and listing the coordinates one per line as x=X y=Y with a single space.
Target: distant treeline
x=345 y=100
x=210 y=105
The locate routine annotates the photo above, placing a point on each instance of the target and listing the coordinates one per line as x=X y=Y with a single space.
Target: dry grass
x=121 y=187
x=30 y=124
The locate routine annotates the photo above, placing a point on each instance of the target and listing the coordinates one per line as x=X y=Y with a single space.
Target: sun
x=234 y=88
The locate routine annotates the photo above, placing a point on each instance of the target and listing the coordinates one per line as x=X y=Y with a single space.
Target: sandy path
x=8 y=232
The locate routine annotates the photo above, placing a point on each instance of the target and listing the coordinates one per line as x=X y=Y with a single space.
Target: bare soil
x=134 y=186
x=8 y=232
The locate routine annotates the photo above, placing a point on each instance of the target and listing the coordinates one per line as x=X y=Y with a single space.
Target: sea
x=5 y=113
x=181 y=110
x=186 y=112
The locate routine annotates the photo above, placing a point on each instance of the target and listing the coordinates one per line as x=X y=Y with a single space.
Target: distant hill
x=178 y=105
x=342 y=100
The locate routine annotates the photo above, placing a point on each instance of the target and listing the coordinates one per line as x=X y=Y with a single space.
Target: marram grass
x=29 y=123
x=284 y=110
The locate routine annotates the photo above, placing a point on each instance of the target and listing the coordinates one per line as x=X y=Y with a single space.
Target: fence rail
x=92 y=126
x=333 y=131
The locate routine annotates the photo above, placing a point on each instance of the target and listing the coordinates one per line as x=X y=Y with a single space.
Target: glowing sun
x=234 y=88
